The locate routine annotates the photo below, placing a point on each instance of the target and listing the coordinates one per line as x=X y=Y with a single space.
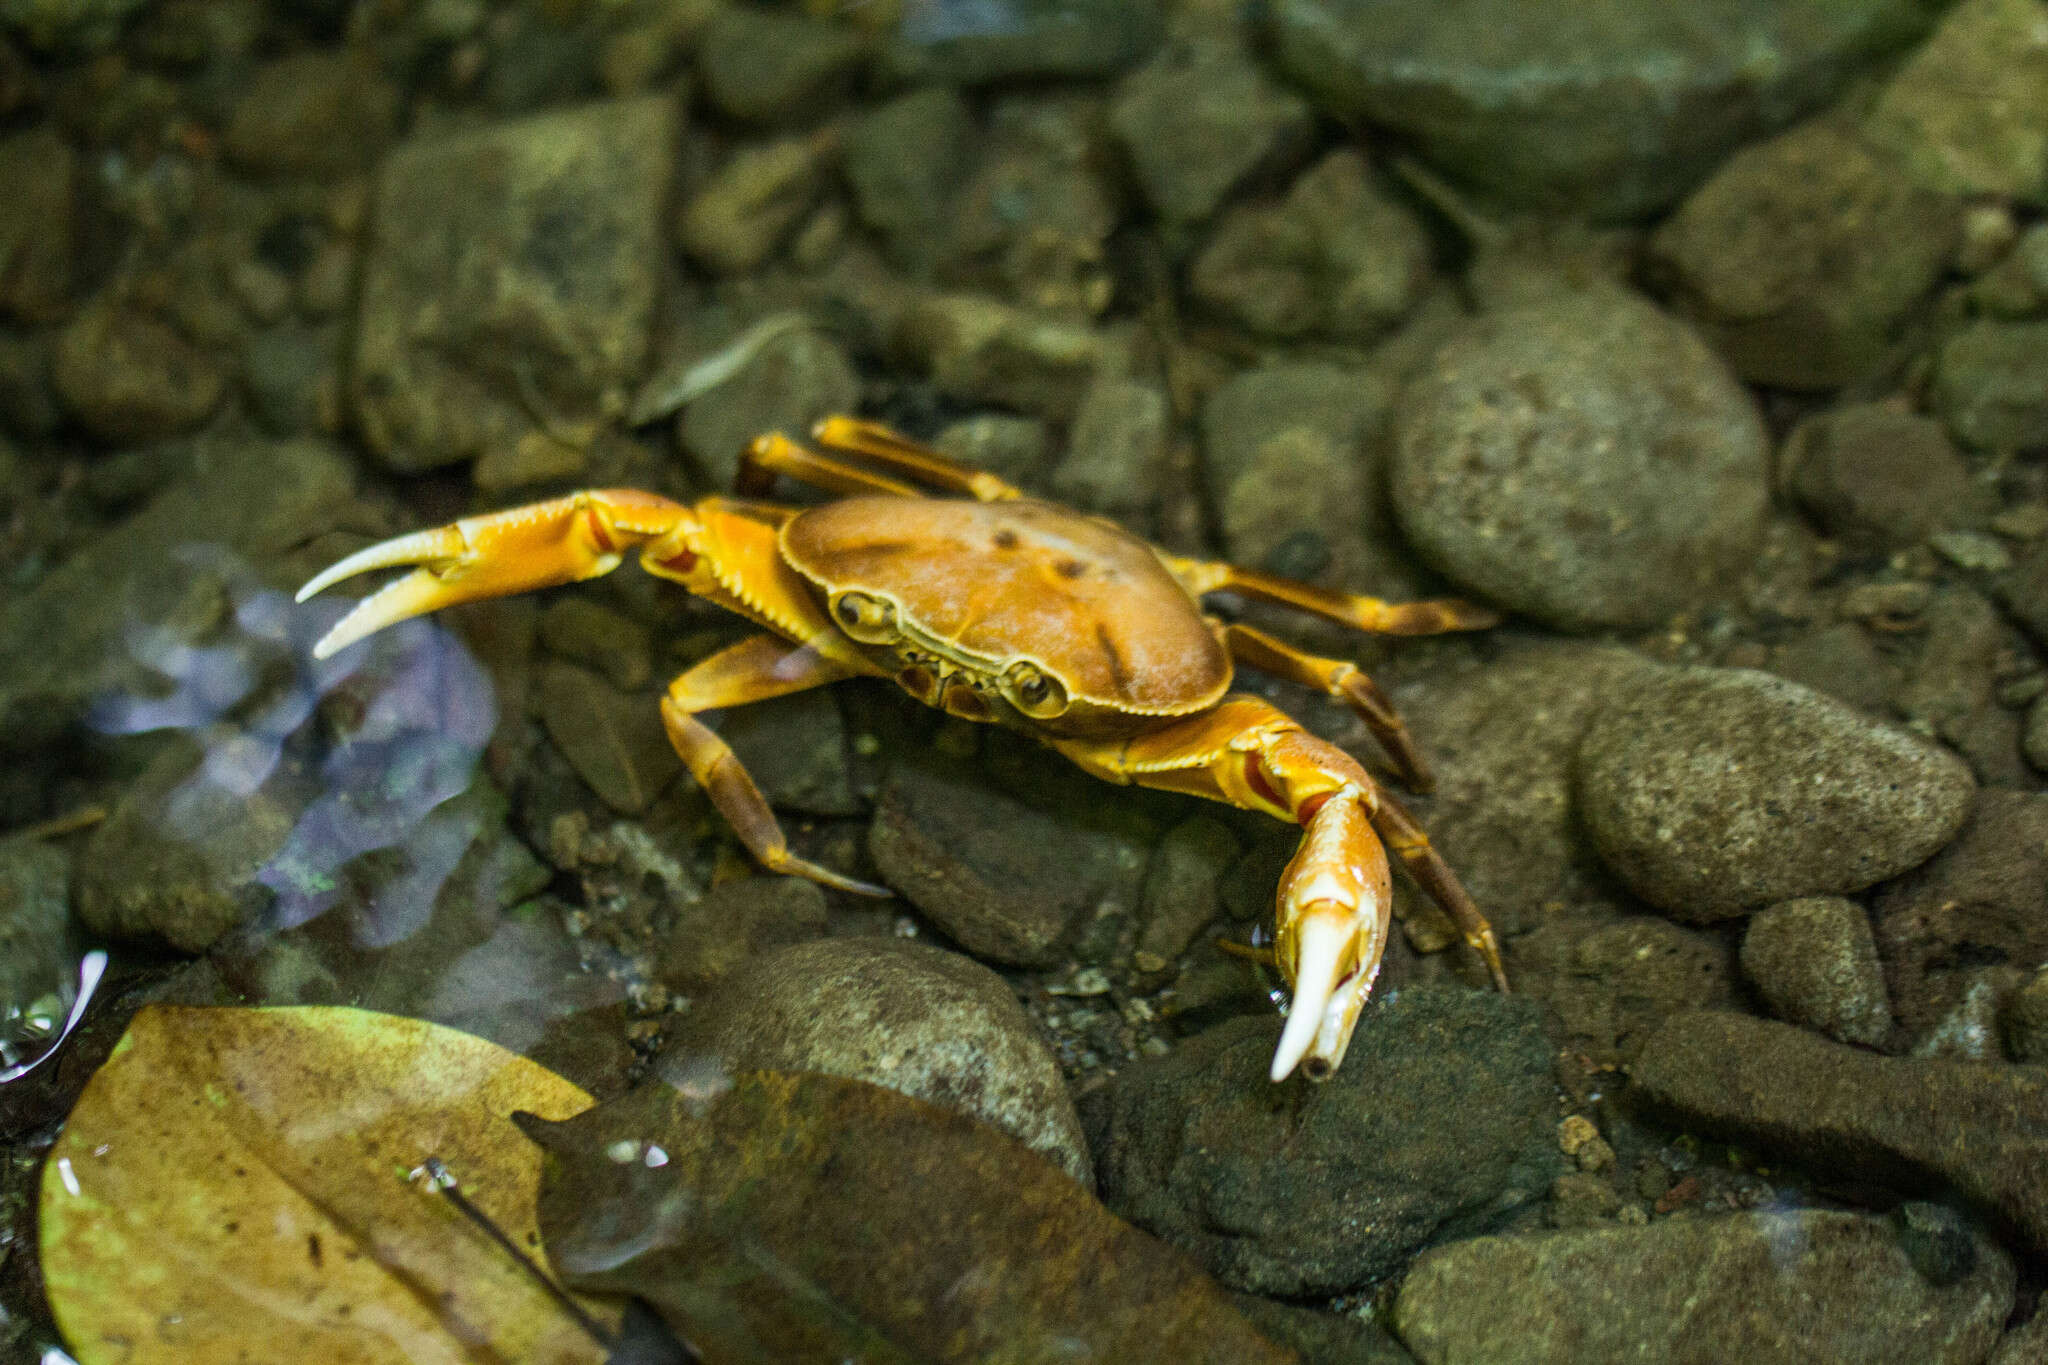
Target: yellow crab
x=996 y=608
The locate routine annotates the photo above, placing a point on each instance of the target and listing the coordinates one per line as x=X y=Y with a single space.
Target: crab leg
x=755 y=669
x=1372 y=614
x=540 y=545
x=1342 y=681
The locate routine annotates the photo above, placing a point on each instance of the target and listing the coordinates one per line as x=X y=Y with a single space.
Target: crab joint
x=1331 y=917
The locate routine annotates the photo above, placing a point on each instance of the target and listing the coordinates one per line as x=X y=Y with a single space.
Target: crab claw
x=1332 y=913
x=537 y=546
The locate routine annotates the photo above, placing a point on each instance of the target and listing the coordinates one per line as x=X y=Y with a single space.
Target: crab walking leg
x=773 y=454
x=1333 y=906
x=1373 y=614
x=755 y=669
x=540 y=545
x=896 y=452
x=1342 y=681
x=1397 y=828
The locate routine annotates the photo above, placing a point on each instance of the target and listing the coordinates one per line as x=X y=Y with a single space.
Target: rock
x=978 y=42
x=1180 y=894
x=2034 y=739
x=1799 y=259
x=1012 y=448
x=980 y=350
x=68 y=26
x=2026 y=1022
x=1338 y=257
x=1968 y=113
x=2025 y=1344
x=35 y=926
x=1579 y=1200
x=904 y=164
x=764 y=65
x=1201 y=119
x=1438 y=1123
x=743 y=213
x=1005 y=880
x=69 y=638
x=1323 y=1338
x=614 y=740
x=1875 y=477
x=1981 y=902
x=325 y=113
x=1815 y=964
x=292 y=375
x=1842 y=662
x=2024 y=594
x=1991 y=385
x=592 y=634
x=128 y=378
x=1586 y=460
x=787 y=384
x=1910 y=1123
x=1610 y=983
x=1609 y=110
x=736 y=921
x=1801 y=1287
x=1971 y=1030
x=1712 y=792
x=1116 y=460
x=928 y=1023
x=514 y=266
x=795 y=747
x=1952 y=686
x=37 y=224
x=1501 y=734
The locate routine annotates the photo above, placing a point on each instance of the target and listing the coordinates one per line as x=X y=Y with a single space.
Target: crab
x=1001 y=609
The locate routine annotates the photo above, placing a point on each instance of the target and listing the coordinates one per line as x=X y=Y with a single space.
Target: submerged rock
x=1811 y=1287
x=1714 y=791
x=1815 y=964
x=917 y=1019
x=1439 y=1121
x=1586 y=460
x=1968 y=113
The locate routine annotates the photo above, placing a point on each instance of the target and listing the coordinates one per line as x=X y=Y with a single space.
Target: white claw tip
x=1320 y=946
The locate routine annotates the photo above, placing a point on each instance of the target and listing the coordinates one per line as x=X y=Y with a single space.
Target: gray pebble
x=928 y=1023
x=1714 y=791
x=1815 y=964
x=1586 y=460
x=1991 y=385
x=1874 y=476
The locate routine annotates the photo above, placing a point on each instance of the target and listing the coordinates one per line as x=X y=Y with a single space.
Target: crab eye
x=1031 y=690
x=870 y=620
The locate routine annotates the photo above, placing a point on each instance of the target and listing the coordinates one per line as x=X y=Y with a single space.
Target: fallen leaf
x=780 y=1218
x=234 y=1185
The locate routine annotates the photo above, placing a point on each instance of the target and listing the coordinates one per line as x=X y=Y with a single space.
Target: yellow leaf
x=233 y=1186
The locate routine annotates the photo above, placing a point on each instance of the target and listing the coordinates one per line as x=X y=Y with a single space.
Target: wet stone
x=769 y=66
x=1971 y=1030
x=1586 y=460
x=312 y=113
x=1338 y=257
x=35 y=920
x=795 y=747
x=1610 y=983
x=1437 y=1124
x=1968 y=113
x=736 y=921
x=1005 y=880
x=127 y=377
x=613 y=739
x=592 y=634
x=1609 y=109
x=2024 y=1344
x=928 y=1023
x=1979 y=903
x=290 y=374
x=68 y=25
x=1842 y=662
x=2034 y=739
x=1201 y=119
x=1712 y=792
x=1815 y=964
x=1910 y=1123
x=904 y=161
x=1323 y=1338
x=1116 y=458
x=1875 y=477
x=786 y=385
x=1791 y=1288
x=981 y=350
x=976 y=42
x=510 y=280
x=1991 y=385
x=1180 y=897
x=743 y=214
x=1951 y=686
x=2026 y=1021
x=1013 y=448
x=36 y=225
x=1801 y=256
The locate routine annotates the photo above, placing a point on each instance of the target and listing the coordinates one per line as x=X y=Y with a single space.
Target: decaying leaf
x=815 y=1218
x=233 y=1186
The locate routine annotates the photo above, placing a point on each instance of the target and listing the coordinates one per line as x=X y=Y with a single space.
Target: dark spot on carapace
x=1117 y=671
x=1006 y=539
x=1070 y=568
x=313 y=1251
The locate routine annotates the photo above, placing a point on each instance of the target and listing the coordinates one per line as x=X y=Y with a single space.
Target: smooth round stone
x=1586 y=460
x=1611 y=108
x=1712 y=792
